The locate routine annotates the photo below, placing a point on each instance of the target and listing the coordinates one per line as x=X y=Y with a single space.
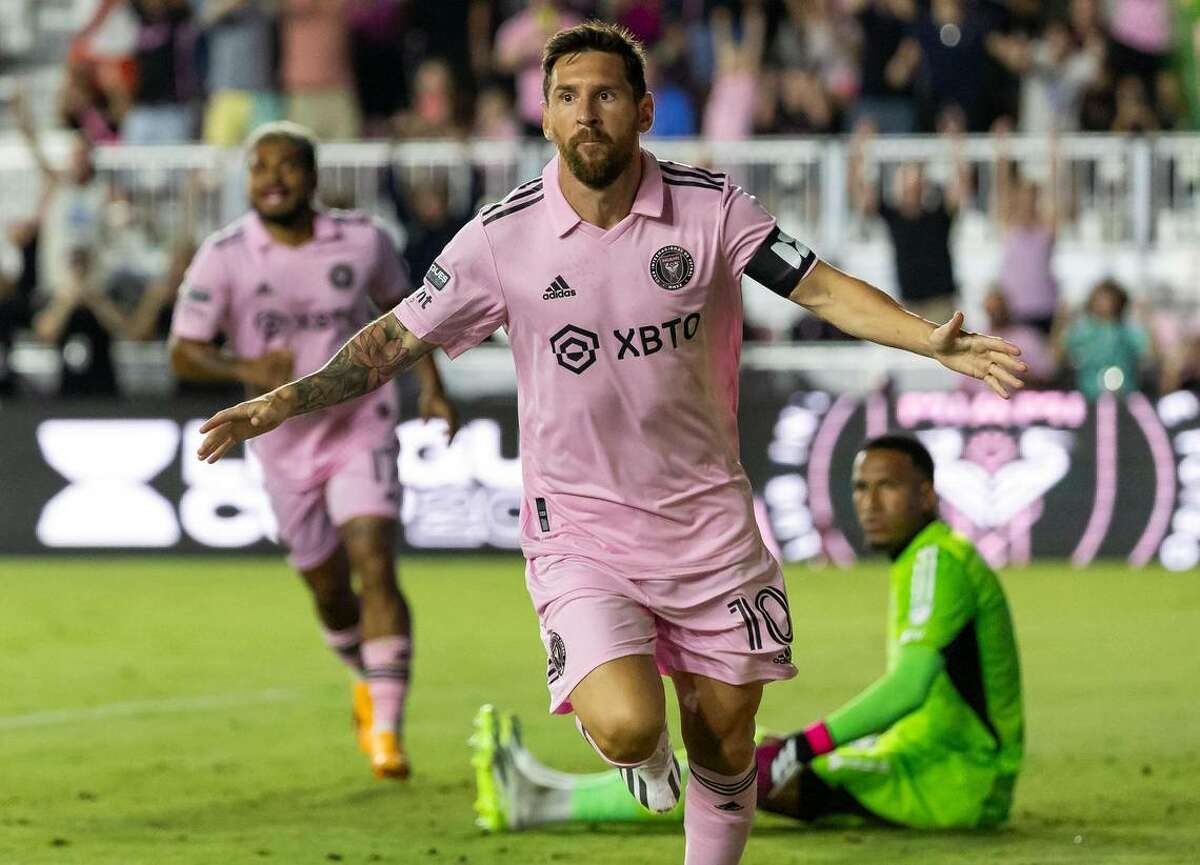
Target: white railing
x=1131 y=205
x=1116 y=189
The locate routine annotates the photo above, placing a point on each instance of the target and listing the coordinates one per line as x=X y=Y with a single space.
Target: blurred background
x=1035 y=164
x=1031 y=163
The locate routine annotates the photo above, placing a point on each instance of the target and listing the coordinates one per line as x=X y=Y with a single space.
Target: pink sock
x=386 y=661
x=717 y=814
x=345 y=644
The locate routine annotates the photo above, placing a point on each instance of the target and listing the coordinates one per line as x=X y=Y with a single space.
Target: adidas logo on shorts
x=557 y=289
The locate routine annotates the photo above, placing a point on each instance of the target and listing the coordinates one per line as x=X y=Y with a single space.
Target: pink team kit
x=321 y=469
x=638 y=519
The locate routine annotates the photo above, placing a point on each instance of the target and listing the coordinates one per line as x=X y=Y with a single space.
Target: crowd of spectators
x=166 y=71
x=151 y=71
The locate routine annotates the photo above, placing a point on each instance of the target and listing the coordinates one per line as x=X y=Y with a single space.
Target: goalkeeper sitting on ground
x=935 y=743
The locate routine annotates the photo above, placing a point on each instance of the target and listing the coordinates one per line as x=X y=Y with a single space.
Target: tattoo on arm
x=373 y=356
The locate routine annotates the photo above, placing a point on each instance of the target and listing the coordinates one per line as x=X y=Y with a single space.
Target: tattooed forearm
x=373 y=356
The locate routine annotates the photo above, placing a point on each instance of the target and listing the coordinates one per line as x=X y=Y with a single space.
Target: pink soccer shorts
x=733 y=626
x=366 y=484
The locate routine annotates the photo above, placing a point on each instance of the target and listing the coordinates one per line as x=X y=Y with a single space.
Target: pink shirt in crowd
x=1027 y=274
x=1143 y=24
x=266 y=296
x=315 y=46
x=729 y=113
x=626 y=344
x=524 y=35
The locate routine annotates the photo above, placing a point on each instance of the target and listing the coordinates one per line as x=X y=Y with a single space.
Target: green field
x=184 y=711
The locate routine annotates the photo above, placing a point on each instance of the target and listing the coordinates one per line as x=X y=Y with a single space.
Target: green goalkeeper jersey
x=944 y=596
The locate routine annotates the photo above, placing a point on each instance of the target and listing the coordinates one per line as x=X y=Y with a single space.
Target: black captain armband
x=781 y=262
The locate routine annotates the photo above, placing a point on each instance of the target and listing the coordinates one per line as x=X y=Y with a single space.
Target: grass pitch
x=184 y=711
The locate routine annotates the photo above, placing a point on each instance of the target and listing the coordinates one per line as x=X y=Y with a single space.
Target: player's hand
x=994 y=361
x=437 y=405
x=231 y=427
x=271 y=370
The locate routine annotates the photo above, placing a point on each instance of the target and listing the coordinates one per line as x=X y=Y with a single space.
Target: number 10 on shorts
x=770 y=608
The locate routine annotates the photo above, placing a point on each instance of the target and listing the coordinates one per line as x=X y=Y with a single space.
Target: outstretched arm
x=862 y=310
x=377 y=353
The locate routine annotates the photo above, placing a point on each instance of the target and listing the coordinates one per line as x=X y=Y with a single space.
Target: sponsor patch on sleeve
x=437 y=276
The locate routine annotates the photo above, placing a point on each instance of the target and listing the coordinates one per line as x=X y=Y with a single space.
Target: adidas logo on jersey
x=557 y=289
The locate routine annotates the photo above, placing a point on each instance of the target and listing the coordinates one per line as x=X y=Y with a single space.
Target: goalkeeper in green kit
x=936 y=742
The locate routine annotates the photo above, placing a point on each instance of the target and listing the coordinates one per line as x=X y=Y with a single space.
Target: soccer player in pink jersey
x=618 y=278
x=287 y=284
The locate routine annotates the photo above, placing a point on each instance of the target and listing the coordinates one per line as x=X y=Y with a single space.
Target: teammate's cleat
x=388 y=759
x=360 y=703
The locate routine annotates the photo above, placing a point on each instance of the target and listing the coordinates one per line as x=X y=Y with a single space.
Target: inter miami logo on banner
x=672 y=267
x=556 y=665
x=341 y=276
x=575 y=348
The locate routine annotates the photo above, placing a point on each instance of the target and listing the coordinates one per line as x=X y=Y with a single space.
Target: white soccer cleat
x=656 y=784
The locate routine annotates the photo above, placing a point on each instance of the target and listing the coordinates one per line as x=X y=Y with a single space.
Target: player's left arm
x=433 y=401
x=754 y=245
x=859 y=309
x=376 y=354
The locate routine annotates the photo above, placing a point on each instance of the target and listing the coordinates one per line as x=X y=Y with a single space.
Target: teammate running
x=287 y=284
x=944 y=724
x=617 y=277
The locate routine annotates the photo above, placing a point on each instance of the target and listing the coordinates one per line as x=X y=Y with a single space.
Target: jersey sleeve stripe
x=679 y=169
x=503 y=213
x=697 y=184
x=515 y=195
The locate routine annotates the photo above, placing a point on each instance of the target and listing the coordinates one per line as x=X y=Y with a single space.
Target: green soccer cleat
x=761 y=734
x=492 y=768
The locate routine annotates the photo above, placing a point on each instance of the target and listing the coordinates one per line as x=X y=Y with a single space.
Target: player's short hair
x=916 y=451
x=1118 y=292
x=300 y=137
x=596 y=36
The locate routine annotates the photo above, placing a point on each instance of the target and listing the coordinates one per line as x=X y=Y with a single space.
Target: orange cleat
x=388 y=759
x=361 y=714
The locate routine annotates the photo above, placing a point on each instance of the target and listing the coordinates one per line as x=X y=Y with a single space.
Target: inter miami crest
x=558 y=654
x=341 y=276
x=672 y=267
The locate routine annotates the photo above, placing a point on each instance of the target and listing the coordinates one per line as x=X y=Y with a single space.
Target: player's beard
x=597 y=174
x=294 y=218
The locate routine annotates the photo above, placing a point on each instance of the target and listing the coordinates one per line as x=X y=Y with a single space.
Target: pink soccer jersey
x=267 y=296
x=626 y=345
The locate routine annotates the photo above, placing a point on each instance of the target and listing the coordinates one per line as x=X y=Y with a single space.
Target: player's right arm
x=459 y=305
x=201 y=310
x=194 y=360
x=376 y=354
